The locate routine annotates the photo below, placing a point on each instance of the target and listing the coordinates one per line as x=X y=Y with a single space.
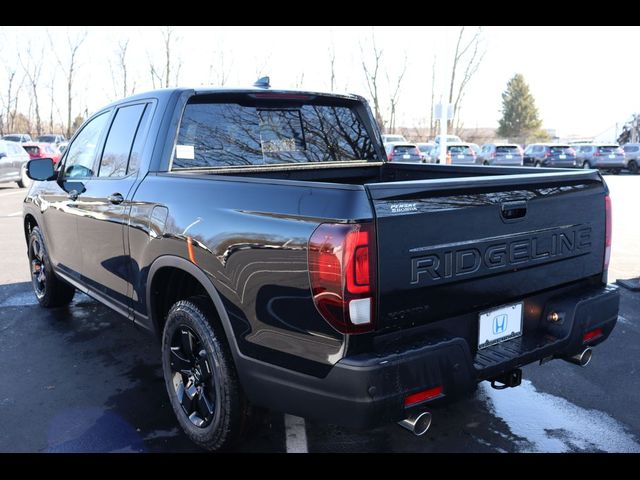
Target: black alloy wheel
x=193 y=379
x=38 y=262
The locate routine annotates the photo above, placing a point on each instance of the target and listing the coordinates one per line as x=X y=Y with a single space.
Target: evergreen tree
x=519 y=112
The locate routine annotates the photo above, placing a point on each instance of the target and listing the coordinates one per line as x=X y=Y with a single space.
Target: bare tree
x=10 y=102
x=219 y=75
x=120 y=71
x=332 y=65
x=372 y=75
x=300 y=81
x=395 y=95
x=32 y=65
x=69 y=67
x=162 y=76
x=466 y=60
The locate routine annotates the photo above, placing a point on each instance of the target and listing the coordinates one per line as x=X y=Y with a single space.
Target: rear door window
x=117 y=148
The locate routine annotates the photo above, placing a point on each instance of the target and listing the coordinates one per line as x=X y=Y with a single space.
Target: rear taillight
x=607 y=235
x=390 y=156
x=597 y=153
x=342 y=273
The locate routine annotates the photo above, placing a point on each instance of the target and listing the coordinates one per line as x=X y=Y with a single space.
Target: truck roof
x=165 y=93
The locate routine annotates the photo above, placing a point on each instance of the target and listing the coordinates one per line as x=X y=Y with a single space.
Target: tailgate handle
x=514 y=210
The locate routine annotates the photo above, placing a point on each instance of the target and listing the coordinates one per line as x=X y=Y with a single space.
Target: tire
x=633 y=167
x=210 y=407
x=485 y=163
x=24 y=181
x=50 y=290
x=537 y=164
x=586 y=165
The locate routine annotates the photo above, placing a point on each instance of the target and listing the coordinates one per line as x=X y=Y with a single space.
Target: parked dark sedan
x=550 y=155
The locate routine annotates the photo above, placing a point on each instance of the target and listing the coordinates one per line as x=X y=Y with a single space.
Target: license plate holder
x=500 y=324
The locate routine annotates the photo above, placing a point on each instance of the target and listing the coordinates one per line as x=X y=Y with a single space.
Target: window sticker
x=185 y=152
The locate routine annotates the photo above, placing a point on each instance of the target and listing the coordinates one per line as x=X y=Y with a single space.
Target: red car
x=42 y=150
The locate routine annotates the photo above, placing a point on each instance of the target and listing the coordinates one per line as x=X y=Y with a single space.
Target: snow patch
x=552 y=424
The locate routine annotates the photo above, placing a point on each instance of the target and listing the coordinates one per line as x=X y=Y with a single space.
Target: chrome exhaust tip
x=417 y=423
x=581 y=358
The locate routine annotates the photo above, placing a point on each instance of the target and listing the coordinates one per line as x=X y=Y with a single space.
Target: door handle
x=116 y=198
x=73 y=195
x=513 y=210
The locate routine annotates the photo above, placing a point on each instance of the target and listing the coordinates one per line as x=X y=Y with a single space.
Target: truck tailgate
x=448 y=247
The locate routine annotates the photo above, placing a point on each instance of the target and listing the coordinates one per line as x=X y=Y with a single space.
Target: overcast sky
x=584 y=79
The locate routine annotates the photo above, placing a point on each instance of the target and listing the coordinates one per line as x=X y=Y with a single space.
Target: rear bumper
x=610 y=163
x=369 y=389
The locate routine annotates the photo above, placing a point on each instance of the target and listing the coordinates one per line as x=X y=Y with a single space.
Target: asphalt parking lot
x=80 y=379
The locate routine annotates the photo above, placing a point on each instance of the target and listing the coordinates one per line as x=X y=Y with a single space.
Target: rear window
x=631 y=148
x=32 y=150
x=233 y=134
x=424 y=148
x=507 y=149
x=459 y=149
x=404 y=149
x=561 y=149
x=608 y=148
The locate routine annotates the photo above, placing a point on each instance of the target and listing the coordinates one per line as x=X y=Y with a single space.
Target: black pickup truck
x=283 y=263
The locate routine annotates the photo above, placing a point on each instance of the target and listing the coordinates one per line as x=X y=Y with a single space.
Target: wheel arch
x=174 y=263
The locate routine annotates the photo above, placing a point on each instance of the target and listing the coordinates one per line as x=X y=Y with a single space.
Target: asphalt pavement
x=81 y=379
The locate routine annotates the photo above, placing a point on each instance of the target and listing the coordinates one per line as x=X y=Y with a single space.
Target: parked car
x=17 y=137
x=42 y=150
x=550 y=155
x=13 y=163
x=388 y=138
x=460 y=154
x=450 y=139
x=402 y=152
x=632 y=153
x=476 y=149
x=287 y=265
x=500 y=154
x=604 y=156
x=56 y=138
x=425 y=150
x=63 y=146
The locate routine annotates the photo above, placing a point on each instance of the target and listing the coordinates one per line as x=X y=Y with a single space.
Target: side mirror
x=3 y=154
x=40 y=169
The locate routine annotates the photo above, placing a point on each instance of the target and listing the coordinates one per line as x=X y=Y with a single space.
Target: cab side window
x=82 y=152
x=119 y=143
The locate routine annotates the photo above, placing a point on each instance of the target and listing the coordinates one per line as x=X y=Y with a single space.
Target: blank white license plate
x=562 y=157
x=499 y=325
x=508 y=157
x=612 y=156
x=461 y=157
x=406 y=155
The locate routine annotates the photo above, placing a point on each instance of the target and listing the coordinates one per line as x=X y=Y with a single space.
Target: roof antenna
x=262 y=82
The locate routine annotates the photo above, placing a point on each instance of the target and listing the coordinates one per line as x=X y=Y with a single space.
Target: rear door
x=104 y=205
x=449 y=247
